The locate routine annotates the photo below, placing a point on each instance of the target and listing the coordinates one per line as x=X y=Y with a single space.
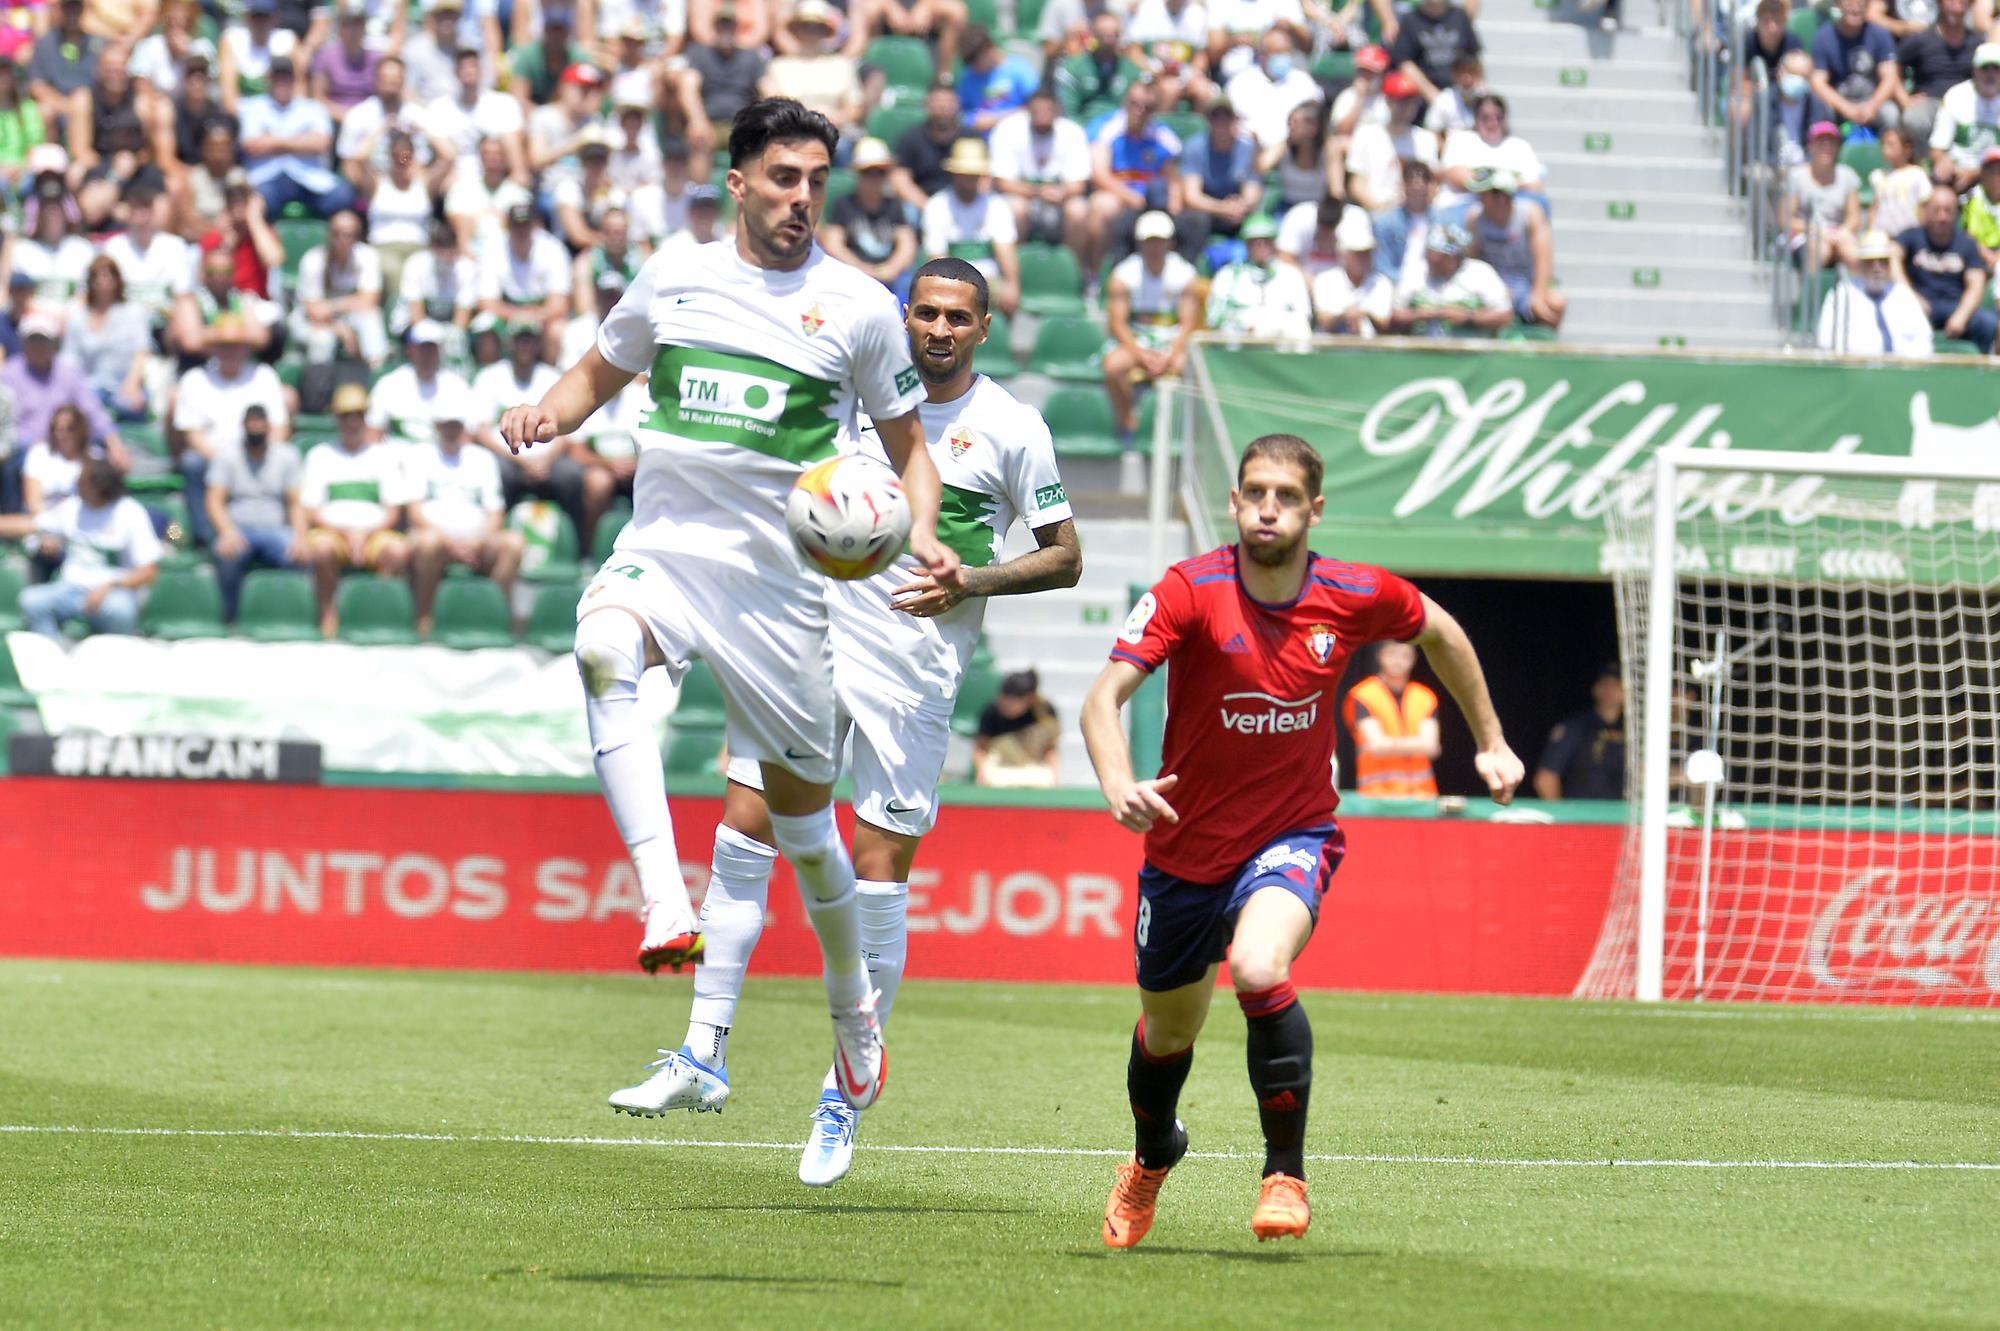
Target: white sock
x=611 y=655
x=732 y=918
x=826 y=883
x=885 y=945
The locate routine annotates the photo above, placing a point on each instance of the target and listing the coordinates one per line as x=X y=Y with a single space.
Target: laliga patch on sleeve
x=1049 y=495
x=1135 y=623
x=906 y=379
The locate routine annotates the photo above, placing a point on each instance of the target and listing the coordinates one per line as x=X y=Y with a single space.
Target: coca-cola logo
x=1875 y=931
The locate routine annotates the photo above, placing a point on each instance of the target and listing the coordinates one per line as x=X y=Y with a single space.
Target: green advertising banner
x=1454 y=460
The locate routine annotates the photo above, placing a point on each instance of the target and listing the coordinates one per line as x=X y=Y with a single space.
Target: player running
x=1256 y=635
x=901 y=647
x=759 y=351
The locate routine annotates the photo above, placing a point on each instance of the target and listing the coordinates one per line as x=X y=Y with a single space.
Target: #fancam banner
x=1504 y=461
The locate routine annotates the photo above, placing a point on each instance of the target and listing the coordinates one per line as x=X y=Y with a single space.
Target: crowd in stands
x=1885 y=131
x=297 y=257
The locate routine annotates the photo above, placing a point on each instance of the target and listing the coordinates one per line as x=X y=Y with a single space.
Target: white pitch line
x=500 y=1139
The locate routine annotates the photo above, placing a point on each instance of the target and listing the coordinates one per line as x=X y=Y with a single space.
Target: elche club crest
x=812 y=318
x=1321 y=640
x=961 y=440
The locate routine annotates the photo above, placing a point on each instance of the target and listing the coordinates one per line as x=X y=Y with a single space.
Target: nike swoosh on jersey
x=894 y=807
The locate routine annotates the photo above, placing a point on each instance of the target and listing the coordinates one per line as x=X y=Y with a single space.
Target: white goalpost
x=1811 y=648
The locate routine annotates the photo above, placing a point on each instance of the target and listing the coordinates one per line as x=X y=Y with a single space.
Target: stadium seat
x=550 y=533
x=146 y=436
x=1028 y=16
x=1805 y=24
x=184 y=603
x=1082 y=423
x=1953 y=346
x=1526 y=333
x=1335 y=69
x=551 y=622
x=1051 y=281
x=986 y=13
x=1864 y=155
x=11 y=692
x=700 y=705
x=277 y=606
x=471 y=613
x=981 y=683
x=839 y=184
x=309 y=430
x=996 y=356
x=904 y=61
x=1186 y=125
x=1070 y=349
x=608 y=527
x=298 y=235
x=12 y=578
x=888 y=123
x=692 y=752
x=375 y=611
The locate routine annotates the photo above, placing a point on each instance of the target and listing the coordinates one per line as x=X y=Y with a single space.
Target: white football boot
x=678 y=1082
x=860 y=1059
x=672 y=935
x=830 y=1149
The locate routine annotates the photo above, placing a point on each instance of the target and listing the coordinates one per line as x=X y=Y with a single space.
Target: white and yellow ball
x=849 y=517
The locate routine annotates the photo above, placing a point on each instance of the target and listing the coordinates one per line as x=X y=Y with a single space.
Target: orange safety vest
x=1405 y=776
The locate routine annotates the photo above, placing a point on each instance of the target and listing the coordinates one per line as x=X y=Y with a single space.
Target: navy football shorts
x=1183 y=928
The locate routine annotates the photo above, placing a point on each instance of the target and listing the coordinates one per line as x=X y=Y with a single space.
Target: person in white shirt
x=553 y=470
x=473 y=111
x=1453 y=296
x=657 y=207
x=403 y=401
x=156 y=264
x=1874 y=313
x=339 y=295
x=208 y=408
x=521 y=377
x=456 y=511
x=1376 y=153
x=363 y=145
x=1362 y=102
x=1265 y=93
x=1967 y=122
x=1352 y=297
x=1041 y=167
x=1456 y=107
x=439 y=283
x=637 y=158
x=109 y=554
x=477 y=203
x=968 y=221
x=1152 y=305
x=527 y=279
x=353 y=493
x=1170 y=39
x=1308 y=235
x=1488 y=143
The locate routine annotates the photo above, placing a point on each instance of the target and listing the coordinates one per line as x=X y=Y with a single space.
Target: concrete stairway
x=1650 y=245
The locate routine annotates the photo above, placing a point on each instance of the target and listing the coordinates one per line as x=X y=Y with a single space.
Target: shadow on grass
x=1267 y=1256
x=854 y=1208
x=664 y=1279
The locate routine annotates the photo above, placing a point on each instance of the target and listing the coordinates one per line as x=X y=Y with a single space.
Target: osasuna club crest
x=1320 y=638
x=960 y=439
x=812 y=319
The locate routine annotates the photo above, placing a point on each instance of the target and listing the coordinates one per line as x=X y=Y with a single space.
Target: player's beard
x=768 y=239
x=1271 y=556
x=933 y=373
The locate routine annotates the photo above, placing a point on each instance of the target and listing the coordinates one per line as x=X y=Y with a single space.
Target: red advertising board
x=346 y=876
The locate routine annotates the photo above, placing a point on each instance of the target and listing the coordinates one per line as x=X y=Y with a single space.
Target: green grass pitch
x=471 y=1175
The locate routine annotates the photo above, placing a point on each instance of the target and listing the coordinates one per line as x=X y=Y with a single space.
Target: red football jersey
x=1250 y=699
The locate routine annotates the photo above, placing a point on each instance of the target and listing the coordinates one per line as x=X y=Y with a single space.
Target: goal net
x=1811 y=650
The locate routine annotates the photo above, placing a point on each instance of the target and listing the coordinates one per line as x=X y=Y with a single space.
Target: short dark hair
x=1417 y=171
x=443 y=234
x=105 y=479
x=1776 y=9
x=949 y=269
x=1285 y=448
x=770 y=120
x=1329 y=212
x=973 y=42
x=1492 y=99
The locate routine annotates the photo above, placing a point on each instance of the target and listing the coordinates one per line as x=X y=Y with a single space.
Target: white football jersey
x=755 y=375
x=997 y=462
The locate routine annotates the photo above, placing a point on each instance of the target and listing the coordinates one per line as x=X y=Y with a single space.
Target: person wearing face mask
x=1794 y=109
x=1766 y=44
x=1265 y=93
x=1872 y=313
x=1257 y=296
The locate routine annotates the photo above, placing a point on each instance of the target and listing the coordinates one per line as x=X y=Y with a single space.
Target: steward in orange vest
x=1393 y=719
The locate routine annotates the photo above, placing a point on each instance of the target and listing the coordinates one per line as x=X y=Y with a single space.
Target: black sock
x=1153 y=1082
x=1281 y=1065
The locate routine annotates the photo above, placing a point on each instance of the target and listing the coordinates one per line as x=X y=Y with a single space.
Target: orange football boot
x=1281 y=1209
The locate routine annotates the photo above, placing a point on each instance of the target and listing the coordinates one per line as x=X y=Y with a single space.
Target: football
x=848 y=516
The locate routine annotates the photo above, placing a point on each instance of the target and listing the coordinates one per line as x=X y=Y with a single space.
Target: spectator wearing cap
x=556 y=131
x=1981 y=215
x=285 y=141
x=250 y=50
x=1935 y=60
x=849 y=21
x=1490 y=143
x=1431 y=37
x=527 y=277
x=538 y=66
x=1265 y=93
x=1307 y=235
x=209 y=405
x=1967 y=121
x=920 y=152
x=726 y=70
x=1019 y=740
x=366 y=136
x=1584 y=758
x=1135 y=167
x=1309 y=163
x=1257 y=296
x=1513 y=236
x=110 y=338
x=253 y=506
x=472 y=111
x=1948 y=272
x=1822 y=196
x=352 y=492
x=1041 y=167
x=478 y=201
x=967 y=220
x=341 y=74
x=1220 y=184
x=109 y=556
x=403 y=401
x=1377 y=154
x=582 y=200
x=40 y=382
x=63 y=64
x=214 y=294
x=457 y=511
x=1453 y=296
x=1152 y=305
x=1362 y=100
x=157 y=265
x=1092 y=82
x=991 y=83
x=870 y=228
x=1170 y=40
x=820 y=73
x=1854 y=69
x=1400 y=232
x=1353 y=296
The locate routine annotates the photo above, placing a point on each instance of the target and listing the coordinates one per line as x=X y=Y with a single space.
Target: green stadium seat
x=184 y=603
x=1864 y=155
x=1028 y=16
x=11 y=692
x=692 y=752
x=981 y=684
x=1335 y=68
x=159 y=483
x=561 y=562
x=608 y=526
x=904 y=61
x=986 y=13
x=1812 y=295
x=1953 y=346
x=146 y=436
x=995 y=357
x=1051 y=281
x=309 y=430
x=1070 y=349
x=298 y=235
x=1149 y=411
x=277 y=606
x=1805 y=25
x=889 y=123
x=1526 y=333
x=551 y=622
x=12 y=578
x=700 y=706
x=471 y=613
x=1082 y=423
x=1186 y=125
x=375 y=611
x=839 y=184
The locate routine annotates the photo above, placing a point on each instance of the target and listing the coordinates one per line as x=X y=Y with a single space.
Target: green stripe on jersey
x=965 y=523
x=370 y=491
x=744 y=400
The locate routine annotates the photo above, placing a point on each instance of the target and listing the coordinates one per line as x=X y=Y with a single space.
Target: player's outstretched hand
x=524 y=427
x=1500 y=770
x=1138 y=806
x=939 y=560
x=921 y=596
